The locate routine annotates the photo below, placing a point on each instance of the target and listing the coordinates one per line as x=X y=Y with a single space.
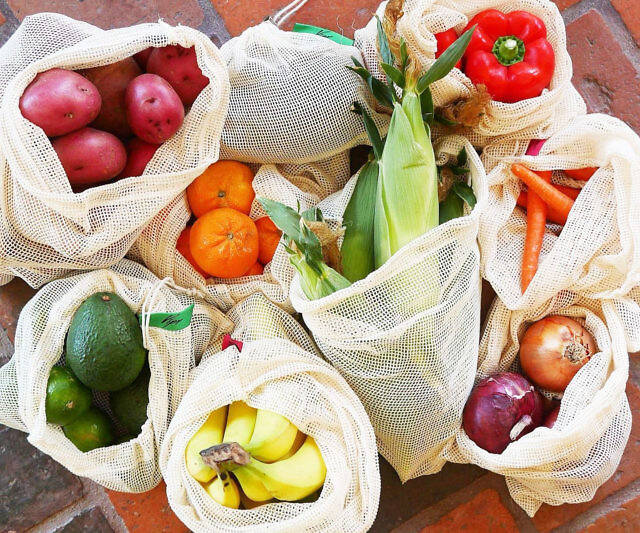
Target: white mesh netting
x=406 y=337
x=597 y=253
x=565 y=464
x=278 y=369
x=291 y=95
x=532 y=118
x=46 y=230
x=293 y=185
x=131 y=466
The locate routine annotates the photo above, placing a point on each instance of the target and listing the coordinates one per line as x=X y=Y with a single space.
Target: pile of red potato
x=106 y=122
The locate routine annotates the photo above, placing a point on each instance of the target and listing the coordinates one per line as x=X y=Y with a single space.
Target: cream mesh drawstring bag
x=46 y=230
x=294 y=185
x=406 y=337
x=532 y=118
x=597 y=253
x=565 y=464
x=42 y=328
x=278 y=369
x=291 y=95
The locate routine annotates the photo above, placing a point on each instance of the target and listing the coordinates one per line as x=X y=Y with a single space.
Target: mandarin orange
x=268 y=239
x=182 y=245
x=224 y=243
x=223 y=184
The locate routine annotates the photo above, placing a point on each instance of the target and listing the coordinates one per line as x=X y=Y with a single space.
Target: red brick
x=564 y=4
x=595 y=51
x=2 y=19
x=625 y=518
x=115 y=13
x=148 y=512
x=485 y=513
x=550 y=517
x=13 y=296
x=630 y=12
x=343 y=17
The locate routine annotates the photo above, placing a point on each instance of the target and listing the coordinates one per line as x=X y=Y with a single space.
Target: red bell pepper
x=509 y=53
x=445 y=39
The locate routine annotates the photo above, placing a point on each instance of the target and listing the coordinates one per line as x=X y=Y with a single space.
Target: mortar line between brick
x=93 y=496
x=614 y=22
x=611 y=503
x=213 y=21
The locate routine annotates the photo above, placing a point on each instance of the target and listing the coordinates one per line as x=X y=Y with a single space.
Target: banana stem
x=225 y=456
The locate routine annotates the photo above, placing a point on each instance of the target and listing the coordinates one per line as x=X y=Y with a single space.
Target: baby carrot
x=541 y=186
x=582 y=174
x=552 y=214
x=536 y=224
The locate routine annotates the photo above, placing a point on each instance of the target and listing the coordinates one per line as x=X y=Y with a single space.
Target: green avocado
x=66 y=398
x=129 y=405
x=104 y=343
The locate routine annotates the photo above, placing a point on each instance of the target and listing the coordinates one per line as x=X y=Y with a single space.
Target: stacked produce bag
x=227 y=172
x=52 y=219
x=274 y=376
x=94 y=388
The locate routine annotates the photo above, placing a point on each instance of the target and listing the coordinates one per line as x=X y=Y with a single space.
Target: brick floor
x=603 y=38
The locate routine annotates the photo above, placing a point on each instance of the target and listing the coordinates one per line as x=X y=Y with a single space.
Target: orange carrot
x=536 y=224
x=571 y=192
x=552 y=215
x=541 y=187
x=582 y=174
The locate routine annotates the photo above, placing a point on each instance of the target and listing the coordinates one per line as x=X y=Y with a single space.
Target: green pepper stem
x=508 y=50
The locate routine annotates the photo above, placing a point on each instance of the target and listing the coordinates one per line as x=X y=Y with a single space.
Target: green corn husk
x=317 y=279
x=358 y=258
x=407 y=199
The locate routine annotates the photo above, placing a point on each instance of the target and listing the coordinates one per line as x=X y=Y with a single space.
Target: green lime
x=67 y=398
x=90 y=430
x=129 y=405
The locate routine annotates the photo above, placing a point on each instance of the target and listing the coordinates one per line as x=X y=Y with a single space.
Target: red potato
x=139 y=153
x=90 y=156
x=179 y=66
x=111 y=82
x=142 y=57
x=154 y=110
x=60 y=101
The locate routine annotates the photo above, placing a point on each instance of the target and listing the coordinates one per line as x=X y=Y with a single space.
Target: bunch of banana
x=259 y=450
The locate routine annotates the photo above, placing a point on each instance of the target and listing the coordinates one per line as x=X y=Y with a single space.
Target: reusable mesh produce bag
x=42 y=328
x=291 y=95
x=278 y=369
x=406 y=337
x=532 y=118
x=293 y=185
x=597 y=253
x=565 y=464
x=47 y=230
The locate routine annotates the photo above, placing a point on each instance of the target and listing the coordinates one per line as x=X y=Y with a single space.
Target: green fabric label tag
x=323 y=32
x=171 y=321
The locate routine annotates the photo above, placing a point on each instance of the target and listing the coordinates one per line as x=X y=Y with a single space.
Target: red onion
x=501 y=409
x=551 y=418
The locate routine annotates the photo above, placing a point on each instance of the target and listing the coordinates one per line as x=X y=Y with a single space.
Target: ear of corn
x=317 y=279
x=407 y=199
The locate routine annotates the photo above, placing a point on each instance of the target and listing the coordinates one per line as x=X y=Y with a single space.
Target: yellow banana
x=241 y=420
x=294 y=478
x=273 y=436
x=224 y=490
x=297 y=443
x=251 y=485
x=248 y=503
x=210 y=433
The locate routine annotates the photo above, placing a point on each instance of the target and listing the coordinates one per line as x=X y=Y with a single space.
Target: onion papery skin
x=552 y=351
x=501 y=409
